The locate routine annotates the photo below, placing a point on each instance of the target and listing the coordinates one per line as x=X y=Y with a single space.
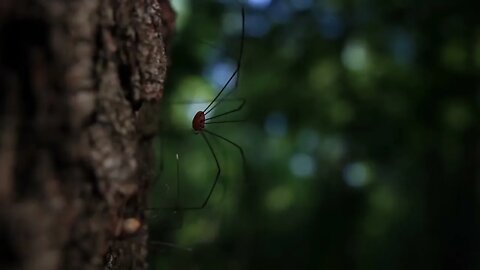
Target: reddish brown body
x=198 y=122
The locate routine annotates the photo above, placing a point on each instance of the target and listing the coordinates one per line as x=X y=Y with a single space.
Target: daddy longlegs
x=199 y=126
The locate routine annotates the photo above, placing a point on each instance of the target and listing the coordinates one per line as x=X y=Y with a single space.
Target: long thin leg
x=240 y=149
x=237 y=70
x=239 y=60
x=221 y=91
x=210 y=108
x=217 y=176
x=229 y=112
x=241 y=46
x=226 y=121
x=210 y=192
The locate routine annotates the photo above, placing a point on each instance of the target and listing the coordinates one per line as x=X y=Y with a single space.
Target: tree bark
x=79 y=83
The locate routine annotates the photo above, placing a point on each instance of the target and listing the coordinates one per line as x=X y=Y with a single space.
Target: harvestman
x=199 y=125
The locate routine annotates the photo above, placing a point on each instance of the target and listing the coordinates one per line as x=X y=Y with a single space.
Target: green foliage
x=361 y=138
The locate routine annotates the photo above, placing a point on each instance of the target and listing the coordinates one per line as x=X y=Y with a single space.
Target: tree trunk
x=79 y=83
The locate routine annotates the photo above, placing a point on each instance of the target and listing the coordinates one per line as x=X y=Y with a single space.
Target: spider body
x=198 y=122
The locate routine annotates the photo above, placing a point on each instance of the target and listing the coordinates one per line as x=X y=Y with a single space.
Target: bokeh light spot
x=355 y=55
x=356 y=174
x=302 y=165
x=259 y=4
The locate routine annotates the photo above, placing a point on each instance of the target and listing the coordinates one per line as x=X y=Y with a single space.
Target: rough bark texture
x=78 y=81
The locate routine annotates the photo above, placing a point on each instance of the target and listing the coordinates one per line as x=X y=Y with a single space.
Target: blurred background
x=360 y=135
